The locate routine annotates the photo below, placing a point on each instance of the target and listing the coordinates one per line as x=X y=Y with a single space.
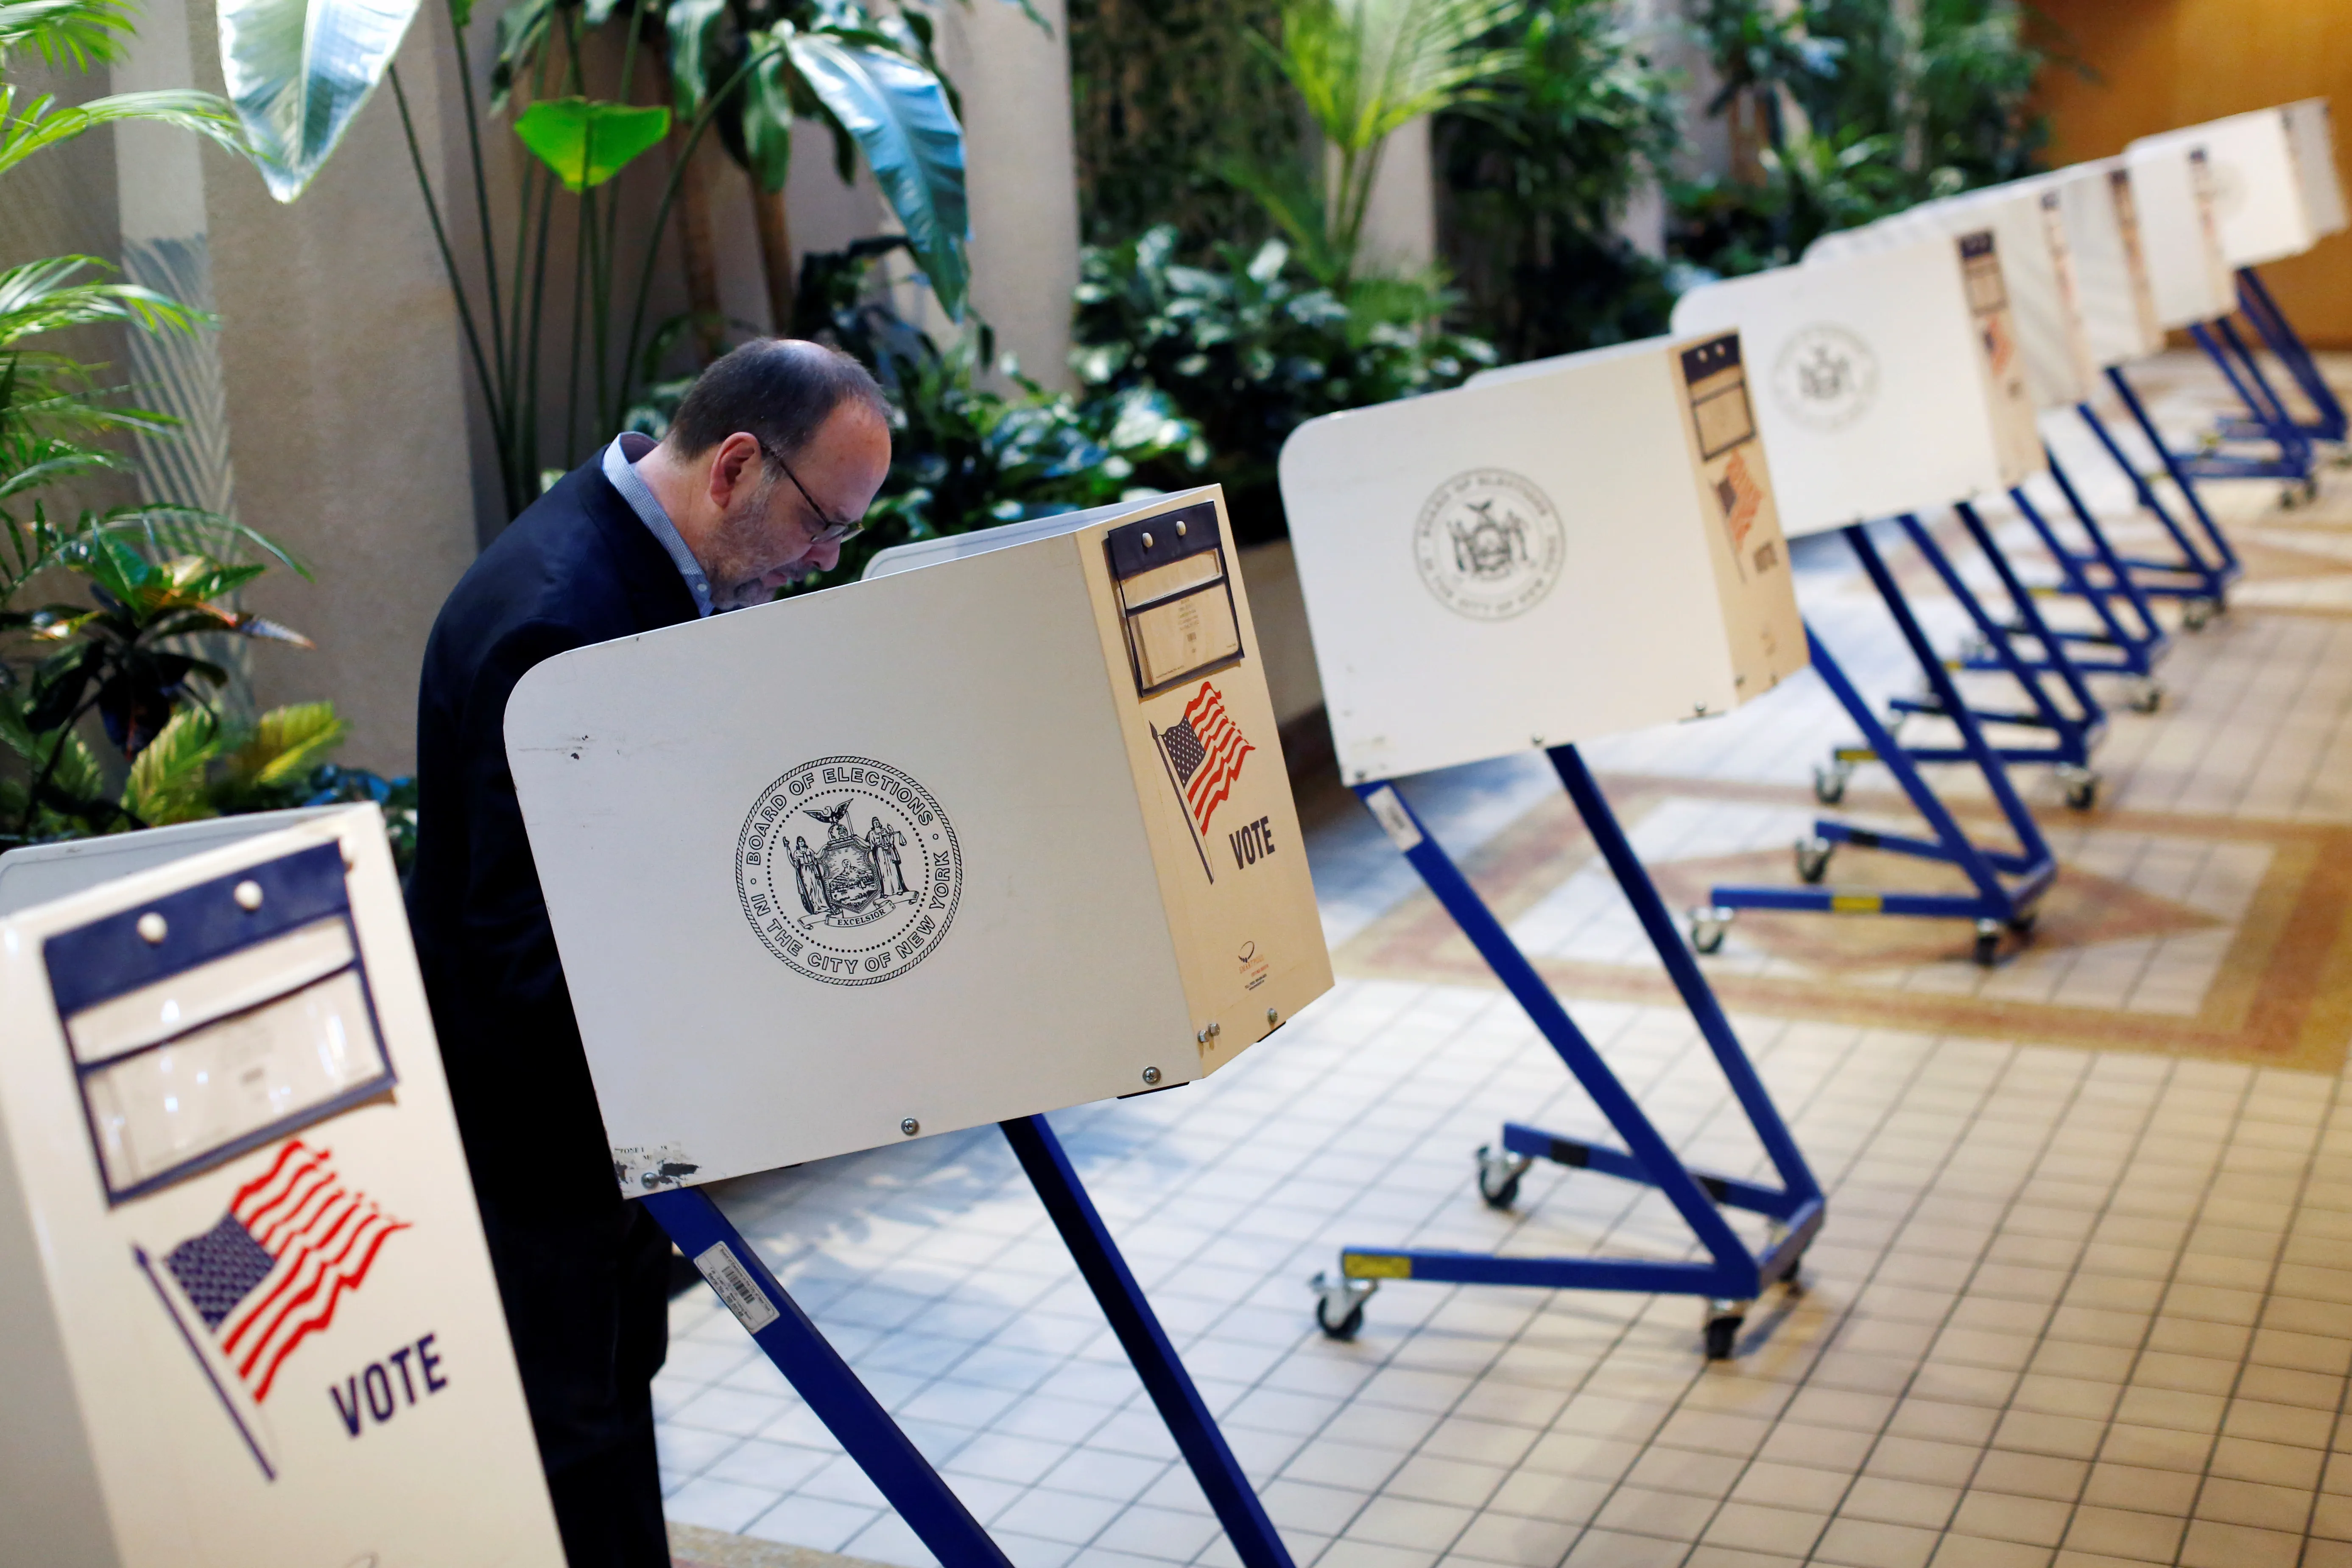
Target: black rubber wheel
x=1987 y=949
x=1813 y=865
x=1708 y=939
x=2195 y=612
x=2148 y=701
x=1829 y=788
x=2024 y=924
x=2083 y=797
x=1500 y=1197
x=1345 y=1329
x=1722 y=1336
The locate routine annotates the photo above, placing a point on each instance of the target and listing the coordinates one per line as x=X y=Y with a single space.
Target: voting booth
x=1898 y=386
x=2029 y=241
x=1561 y=549
x=1883 y=381
x=1895 y=389
x=1610 y=509
x=924 y=852
x=2102 y=248
x=1001 y=828
x=2262 y=206
x=2230 y=194
x=2171 y=187
x=2312 y=136
x=250 y=1317
x=2275 y=192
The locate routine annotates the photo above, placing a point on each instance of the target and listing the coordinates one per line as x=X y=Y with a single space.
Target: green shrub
x=1890 y=113
x=1248 y=349
x=963 y=454
x=1535 y=173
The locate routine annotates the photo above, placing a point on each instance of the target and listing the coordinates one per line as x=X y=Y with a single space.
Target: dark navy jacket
x=577 y=568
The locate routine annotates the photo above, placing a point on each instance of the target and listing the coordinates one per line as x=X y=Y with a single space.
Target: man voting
x=774 y=455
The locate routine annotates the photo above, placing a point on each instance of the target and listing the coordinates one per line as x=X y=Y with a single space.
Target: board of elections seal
x=849 y=870
x=1489 y=544
x=1825 y=378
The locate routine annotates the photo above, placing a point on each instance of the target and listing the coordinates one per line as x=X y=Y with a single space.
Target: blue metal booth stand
x=1732 y=1275
x=852 y=1414
x=2004 y=886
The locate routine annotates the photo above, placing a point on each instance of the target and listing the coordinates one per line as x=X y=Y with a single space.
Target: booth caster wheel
x=1707 y=929
x=1813 y=857
x=2146 y=696
x=1988 y=942
x=1774 y=1234
x=2024 y=924
x=2196 y=613
x=1340 y=1304
x=2081 y=787
x=1498 y=1176
x=2295 y=495
x=1724 y=1320
x=1829 y=782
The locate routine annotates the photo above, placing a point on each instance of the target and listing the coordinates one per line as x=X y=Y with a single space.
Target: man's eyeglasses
x=833 y=531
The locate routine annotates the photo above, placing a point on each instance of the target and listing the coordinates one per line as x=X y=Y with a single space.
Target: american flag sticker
x=248 y=1291
x=1205 y=747
x=1742 y=498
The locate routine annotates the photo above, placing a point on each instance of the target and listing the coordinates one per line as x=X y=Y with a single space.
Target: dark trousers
x=587 y=1303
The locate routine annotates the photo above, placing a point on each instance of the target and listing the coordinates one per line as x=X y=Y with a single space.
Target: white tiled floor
x=2073 y=1308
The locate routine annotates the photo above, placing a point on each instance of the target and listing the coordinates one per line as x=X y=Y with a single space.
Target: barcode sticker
x=737 y=1288
x=1392 y=818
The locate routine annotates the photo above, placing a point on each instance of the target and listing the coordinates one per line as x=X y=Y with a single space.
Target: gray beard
x=733 y=585
x=737 y=596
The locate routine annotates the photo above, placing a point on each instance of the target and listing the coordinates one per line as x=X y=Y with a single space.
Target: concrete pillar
x=1400 y=235
x=1022 y=173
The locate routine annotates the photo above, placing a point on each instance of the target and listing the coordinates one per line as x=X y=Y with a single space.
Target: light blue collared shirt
x=620 y=467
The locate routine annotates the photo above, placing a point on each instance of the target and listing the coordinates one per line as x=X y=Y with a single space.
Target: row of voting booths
x=253 y=1318
x=252 y=1315
x=1564 y=550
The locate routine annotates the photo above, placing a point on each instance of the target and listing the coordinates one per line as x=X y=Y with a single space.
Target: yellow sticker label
x=1856 y=903
x=1371 y=1265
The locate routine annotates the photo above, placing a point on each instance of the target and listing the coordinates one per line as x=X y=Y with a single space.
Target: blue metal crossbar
x=2207 y=568
x=2102 y=580
x=2271 y=420
x=2005 y=886
x=1732 y=1275
x=882 y=1450
x=2270 y=323
x=816 y=1371
x=2199 y=584
x=1237 y=1508
x=2074 y=727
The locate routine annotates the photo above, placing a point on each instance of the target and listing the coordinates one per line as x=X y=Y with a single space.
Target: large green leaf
x=72 y=767
x=694 y=60
x=767 y=109
x=49 y=295
x=1367 y=68
x=166 y=782
x=42 y=122
x=522 y=32
x=284 y=744
x=900 y=115
x=585 y=142
x=299 y=70
x=78 y=33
